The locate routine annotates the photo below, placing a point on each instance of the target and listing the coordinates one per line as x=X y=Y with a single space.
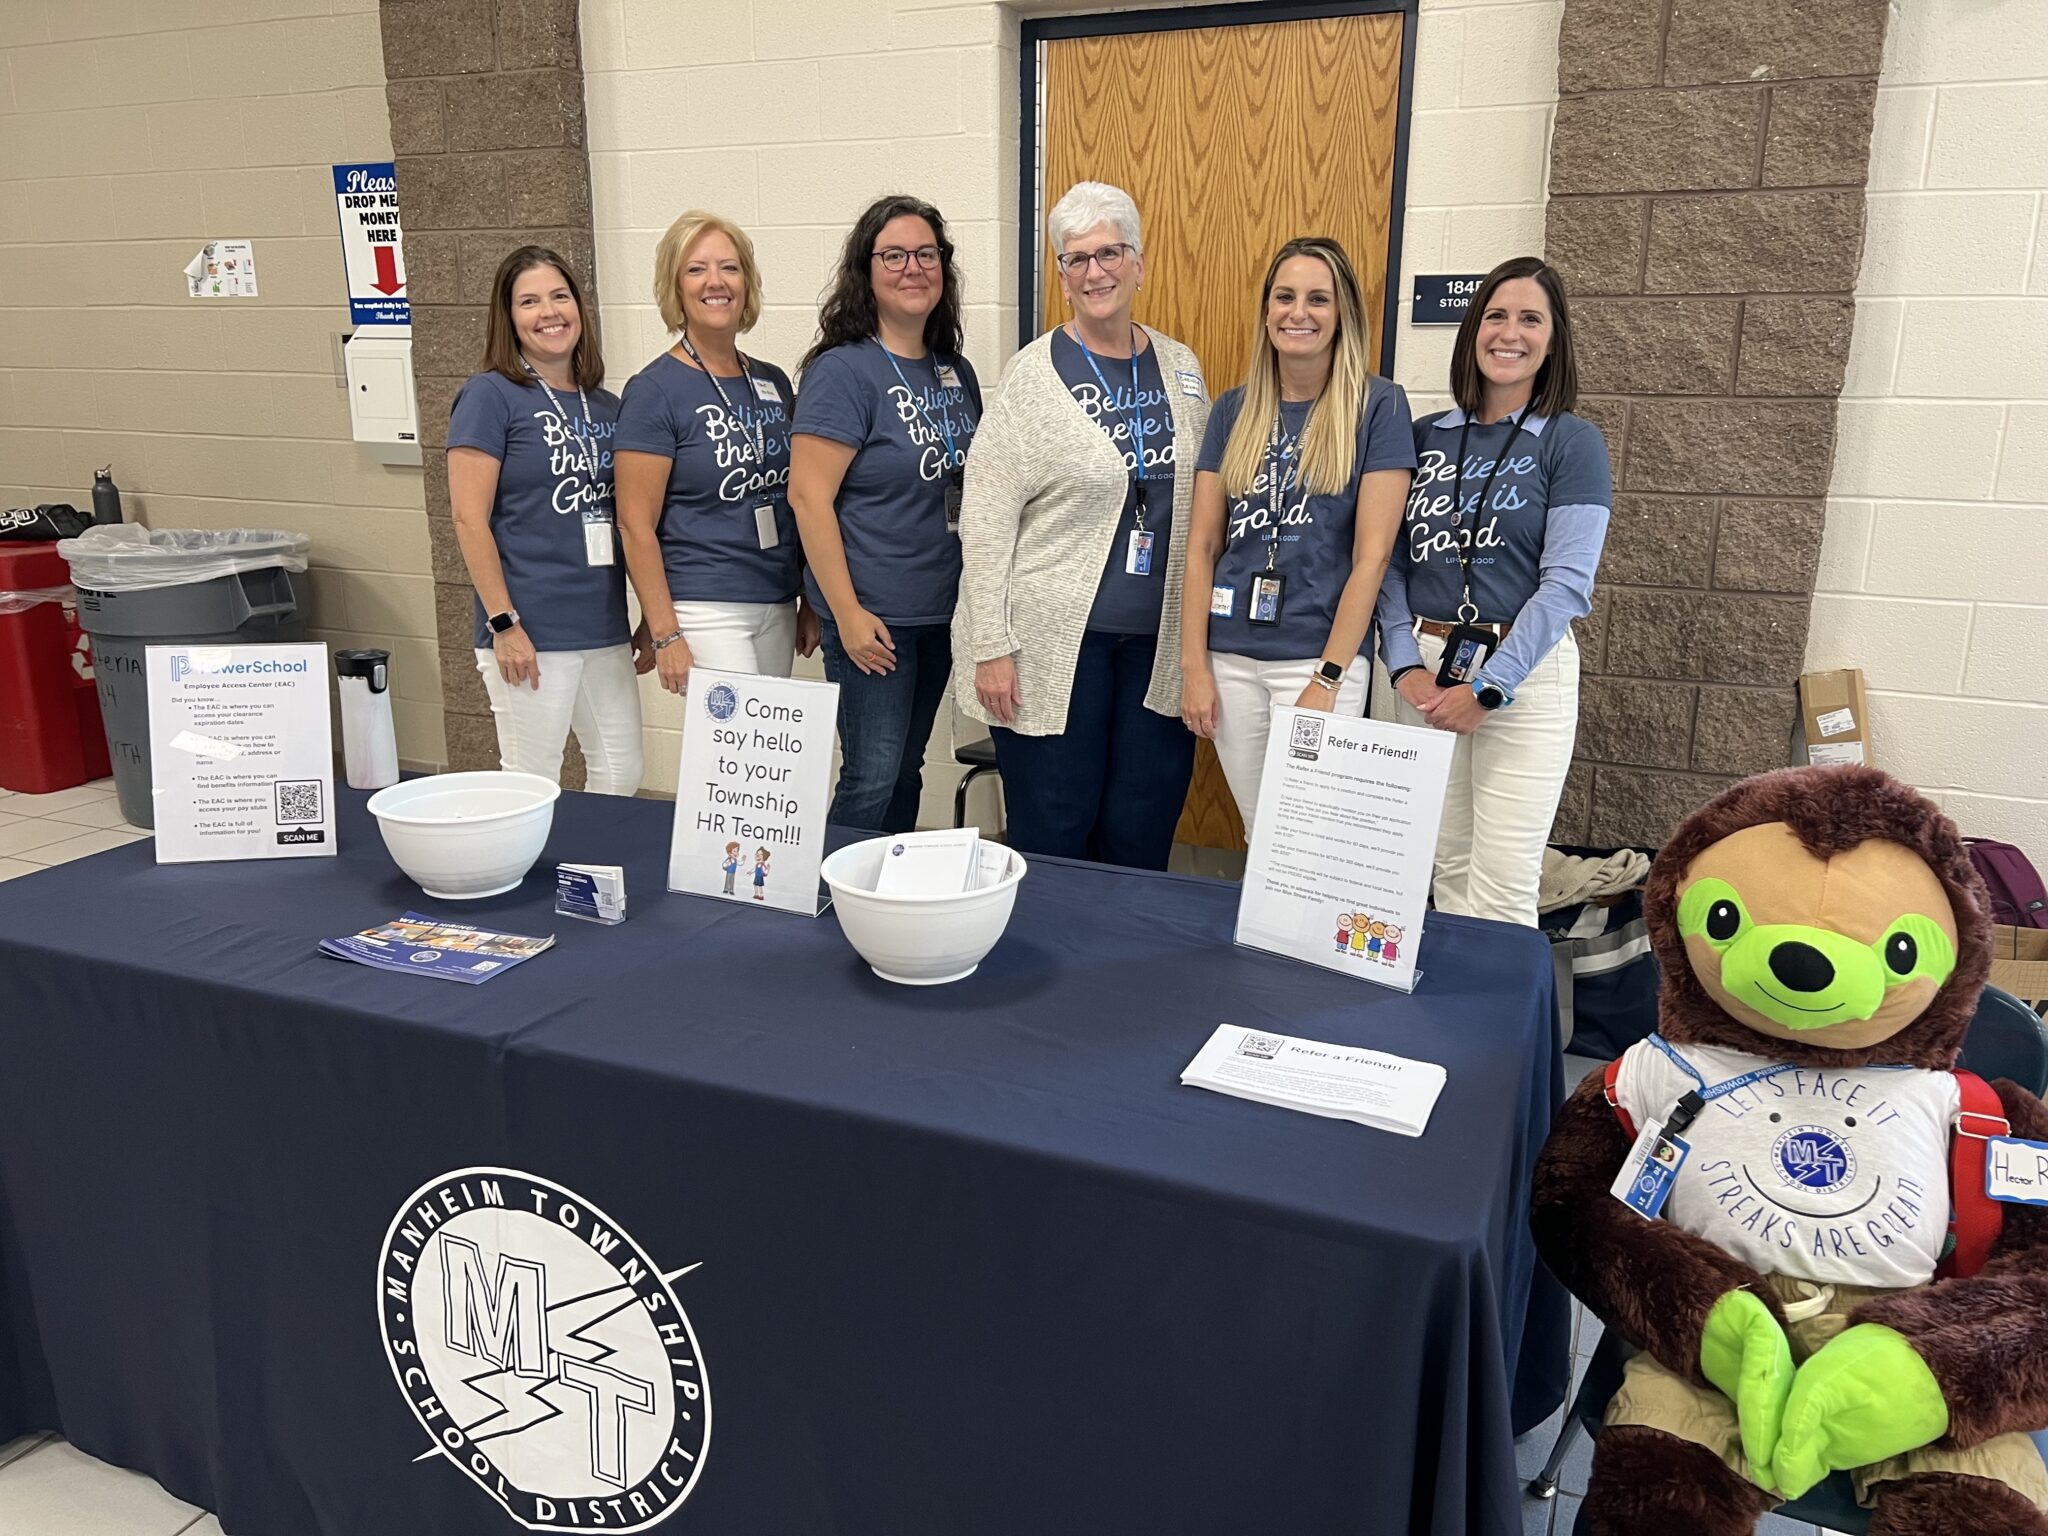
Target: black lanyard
x=1467 y=613
x=1275 y=463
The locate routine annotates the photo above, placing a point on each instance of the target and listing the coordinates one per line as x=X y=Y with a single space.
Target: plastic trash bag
x=125 y=557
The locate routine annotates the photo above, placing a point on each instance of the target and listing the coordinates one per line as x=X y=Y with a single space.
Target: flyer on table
x=752 y=789
x=241 y=752
x=1344 y=842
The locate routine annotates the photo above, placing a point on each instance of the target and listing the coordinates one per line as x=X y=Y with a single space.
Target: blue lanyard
x=944 y=424
x=1137 y=417
x=1707 y=1095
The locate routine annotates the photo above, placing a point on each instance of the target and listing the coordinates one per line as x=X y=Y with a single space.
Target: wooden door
x=1232 y=140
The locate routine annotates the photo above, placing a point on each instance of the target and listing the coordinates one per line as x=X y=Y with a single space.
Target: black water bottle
x=106 y=496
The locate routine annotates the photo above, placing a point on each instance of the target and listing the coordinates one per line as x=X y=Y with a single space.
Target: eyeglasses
x=895 y=258
x=1109 y=258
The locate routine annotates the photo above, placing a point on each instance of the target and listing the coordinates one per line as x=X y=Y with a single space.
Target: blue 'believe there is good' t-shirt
x=1126 y=604
x=1315 y=531
x=1553 y=465
x=904 y=560
x=553 y=476
x=710 y=537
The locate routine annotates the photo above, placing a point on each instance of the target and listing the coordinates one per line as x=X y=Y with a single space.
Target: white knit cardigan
x=1044 y=496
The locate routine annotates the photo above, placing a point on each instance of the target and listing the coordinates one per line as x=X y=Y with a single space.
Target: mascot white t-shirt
x=1837 y=1177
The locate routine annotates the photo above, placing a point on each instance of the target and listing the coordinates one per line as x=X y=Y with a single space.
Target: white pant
x=740 y=637
x=592 y=692
x=1246 y=691
x=1506 y=780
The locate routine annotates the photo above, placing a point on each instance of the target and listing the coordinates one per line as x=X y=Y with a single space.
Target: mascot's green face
x=1842 y=952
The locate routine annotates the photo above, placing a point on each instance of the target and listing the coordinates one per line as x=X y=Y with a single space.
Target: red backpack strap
x=1975 y=1219
x=1607 y=1082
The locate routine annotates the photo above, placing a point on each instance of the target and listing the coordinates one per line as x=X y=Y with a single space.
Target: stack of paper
x=939 y=863
x=596 y=893
x=426 y=947
x=1342 y=1082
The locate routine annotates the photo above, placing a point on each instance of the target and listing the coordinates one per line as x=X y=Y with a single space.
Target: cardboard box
x=2019 y=962
x=1834 y=717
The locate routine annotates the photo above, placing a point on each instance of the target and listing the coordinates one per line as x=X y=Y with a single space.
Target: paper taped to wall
x=223 y=269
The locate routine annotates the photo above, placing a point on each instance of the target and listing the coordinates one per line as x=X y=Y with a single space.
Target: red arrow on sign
x=387 y=270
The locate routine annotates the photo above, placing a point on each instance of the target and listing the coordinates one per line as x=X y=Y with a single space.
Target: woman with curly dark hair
x=886 y=408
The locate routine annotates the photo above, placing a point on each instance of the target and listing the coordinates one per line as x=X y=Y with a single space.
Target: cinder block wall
x=486 y=102
x=1706 y=210
x=1934 y=568
x=129 y=136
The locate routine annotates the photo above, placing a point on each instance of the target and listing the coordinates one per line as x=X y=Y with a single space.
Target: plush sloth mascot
x=1808 y=1298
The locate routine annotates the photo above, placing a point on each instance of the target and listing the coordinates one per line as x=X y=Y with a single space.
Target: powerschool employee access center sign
x=372 y=243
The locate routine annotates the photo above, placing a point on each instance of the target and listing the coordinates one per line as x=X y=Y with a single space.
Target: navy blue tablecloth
x=965 y=1259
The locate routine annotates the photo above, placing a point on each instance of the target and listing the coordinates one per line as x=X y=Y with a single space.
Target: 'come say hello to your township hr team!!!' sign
x=372 y=243
x=751 y=790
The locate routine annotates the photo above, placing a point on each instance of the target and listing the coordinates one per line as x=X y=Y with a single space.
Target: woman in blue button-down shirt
x=1499 y=547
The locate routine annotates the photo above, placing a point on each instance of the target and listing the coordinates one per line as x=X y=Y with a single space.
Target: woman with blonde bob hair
x=1075 y=519
x=1298 y=496
x=703 y=470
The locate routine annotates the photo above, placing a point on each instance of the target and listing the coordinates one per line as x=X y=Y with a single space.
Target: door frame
x=1181 y=18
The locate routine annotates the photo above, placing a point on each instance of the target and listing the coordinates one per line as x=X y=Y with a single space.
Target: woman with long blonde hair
x=1298 y=496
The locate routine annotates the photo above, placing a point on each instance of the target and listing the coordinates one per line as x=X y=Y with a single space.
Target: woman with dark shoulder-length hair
x=1501 y=541
x=885 y=413
x=530 y=486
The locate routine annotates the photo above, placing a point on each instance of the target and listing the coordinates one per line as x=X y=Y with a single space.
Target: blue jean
x=885 y=719
x=1109 y=787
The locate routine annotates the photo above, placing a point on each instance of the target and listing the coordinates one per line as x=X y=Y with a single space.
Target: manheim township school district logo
x=721 y=701
x=543 y=1351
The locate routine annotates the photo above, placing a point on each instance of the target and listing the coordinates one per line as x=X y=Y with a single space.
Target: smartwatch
x=1491 y=696
x=500 y=622
x=1330 y=674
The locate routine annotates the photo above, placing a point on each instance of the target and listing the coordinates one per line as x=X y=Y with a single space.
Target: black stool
x=977 y=757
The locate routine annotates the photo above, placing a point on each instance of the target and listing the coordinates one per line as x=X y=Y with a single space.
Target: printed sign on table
x=372 y=243
x=241 y=752
x=753 y=788
x=1344 y=842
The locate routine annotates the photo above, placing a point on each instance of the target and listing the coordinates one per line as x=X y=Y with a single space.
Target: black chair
x=2005 y=1039
x=977 y=757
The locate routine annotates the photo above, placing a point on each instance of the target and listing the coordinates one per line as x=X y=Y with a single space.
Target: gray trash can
x=140 y=587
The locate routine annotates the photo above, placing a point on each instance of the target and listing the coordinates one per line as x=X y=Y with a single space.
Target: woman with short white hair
x=1073 y=537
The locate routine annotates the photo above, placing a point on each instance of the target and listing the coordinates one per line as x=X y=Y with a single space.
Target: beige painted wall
x=1934 y=565
x=127 y=137
x=813 y=107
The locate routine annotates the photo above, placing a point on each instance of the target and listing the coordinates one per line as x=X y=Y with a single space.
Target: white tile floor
x=37 y=831
x=49 y=1488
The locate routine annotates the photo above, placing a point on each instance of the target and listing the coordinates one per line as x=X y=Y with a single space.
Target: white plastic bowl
x=920 y=941
x=465 y=835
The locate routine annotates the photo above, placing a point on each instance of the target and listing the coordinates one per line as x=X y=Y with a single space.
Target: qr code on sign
x=298 y=802
x=1264 y=1047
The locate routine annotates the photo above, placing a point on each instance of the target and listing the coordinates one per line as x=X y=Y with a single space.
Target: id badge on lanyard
x=600 y=541
x=1265 y=595
x=1467 y=646
x=1465 y=652
x=956 y=490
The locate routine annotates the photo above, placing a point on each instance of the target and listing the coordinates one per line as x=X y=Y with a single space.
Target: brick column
x=1706 y=180
x=486 y=101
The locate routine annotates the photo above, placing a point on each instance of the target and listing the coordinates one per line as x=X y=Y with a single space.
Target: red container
x=51 y=735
